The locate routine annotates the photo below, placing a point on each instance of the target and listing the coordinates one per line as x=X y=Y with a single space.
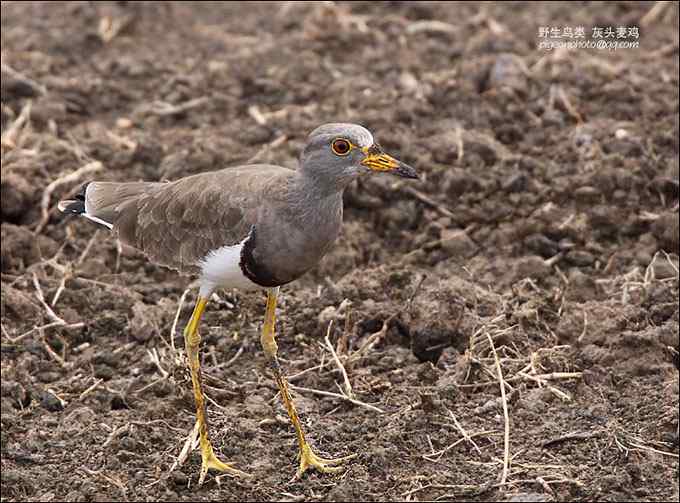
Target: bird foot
x=212 y=462
x=309 y=459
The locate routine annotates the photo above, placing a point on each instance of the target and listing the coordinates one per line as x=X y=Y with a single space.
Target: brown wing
x=177 y=224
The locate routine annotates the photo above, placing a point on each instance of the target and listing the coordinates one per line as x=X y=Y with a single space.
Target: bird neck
x=316 y=200
x=317 y=187
x=323 y=178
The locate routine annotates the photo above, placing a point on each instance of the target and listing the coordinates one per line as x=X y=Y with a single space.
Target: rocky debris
x=457 y=244
x=21 y=248
x=50 y=402
x=16 y=197
x=666 y=231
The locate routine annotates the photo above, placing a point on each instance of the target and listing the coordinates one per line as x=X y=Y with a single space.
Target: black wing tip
x=77 y=205
x=80 y=195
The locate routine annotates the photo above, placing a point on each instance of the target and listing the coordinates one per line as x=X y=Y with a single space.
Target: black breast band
x=254 y=271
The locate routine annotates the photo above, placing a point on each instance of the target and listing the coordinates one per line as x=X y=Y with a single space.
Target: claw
x=309 y=459
x=212 y=462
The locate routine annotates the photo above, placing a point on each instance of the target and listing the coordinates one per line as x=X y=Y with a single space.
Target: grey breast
x=295 y=229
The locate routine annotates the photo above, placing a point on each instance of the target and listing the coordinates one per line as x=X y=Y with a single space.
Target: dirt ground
x=546 y=222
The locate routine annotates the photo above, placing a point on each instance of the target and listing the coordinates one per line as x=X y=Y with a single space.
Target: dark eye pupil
x=341 y=146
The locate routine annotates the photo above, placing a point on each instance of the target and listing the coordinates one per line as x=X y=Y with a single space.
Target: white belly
x=220 y=268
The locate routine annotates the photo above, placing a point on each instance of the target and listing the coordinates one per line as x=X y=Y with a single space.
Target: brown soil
x=546 y=219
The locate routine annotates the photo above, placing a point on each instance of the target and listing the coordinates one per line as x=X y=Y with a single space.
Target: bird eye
x=341 y=146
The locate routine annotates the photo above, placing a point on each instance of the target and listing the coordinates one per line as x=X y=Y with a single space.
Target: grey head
x=337 y=153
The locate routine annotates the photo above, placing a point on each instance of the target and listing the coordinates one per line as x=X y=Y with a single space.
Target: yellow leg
x=191 y=341
x=308 y=459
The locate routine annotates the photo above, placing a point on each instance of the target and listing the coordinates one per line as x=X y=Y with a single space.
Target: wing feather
x=177 y=224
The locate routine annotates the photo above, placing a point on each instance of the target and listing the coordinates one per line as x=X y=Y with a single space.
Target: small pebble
x=580 y=258
x=620 y=134
x=103 y=372
x=587 y=194
x=124 y=123
x=180 y=479
x=51 y=403
x=457 y=243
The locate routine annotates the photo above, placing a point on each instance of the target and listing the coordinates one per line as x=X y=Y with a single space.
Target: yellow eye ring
x=340 y=146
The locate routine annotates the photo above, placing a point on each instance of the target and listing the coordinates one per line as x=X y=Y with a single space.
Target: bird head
x=337 y=153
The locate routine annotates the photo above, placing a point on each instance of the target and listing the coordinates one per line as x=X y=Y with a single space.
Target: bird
x=250 y=227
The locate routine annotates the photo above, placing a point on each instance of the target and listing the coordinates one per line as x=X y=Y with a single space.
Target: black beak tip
x=406 y=171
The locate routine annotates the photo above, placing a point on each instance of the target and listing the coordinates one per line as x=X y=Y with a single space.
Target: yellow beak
x=377 y=160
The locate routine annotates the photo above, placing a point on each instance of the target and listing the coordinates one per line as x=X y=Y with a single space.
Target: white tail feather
x=98 y=220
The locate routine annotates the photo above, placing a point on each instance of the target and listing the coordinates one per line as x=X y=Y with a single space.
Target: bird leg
x=192 y=340
x=308 y=459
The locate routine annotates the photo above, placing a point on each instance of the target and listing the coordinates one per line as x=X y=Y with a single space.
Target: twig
x=506 y=440
x=370 y=341
x=153 y=355
x=427 y=200
x=430 y=26
x=108 y=286
x=70 y=178
x=223 y=365
x=119 y=253
x=166 y=109
x=53 y=354
x=441 y=452
x=211 y=400
x=107 y=478
x=554 y=259
x=572 y=436
x=518 y=376
x=10 y=137
x=460 y=144
x=672 y=264
x=56 y=320
x=60 y=289
x=115 y=433
x=297 y=376
x=337 y=395
x=41 y=328
x=190 y=444
x=651 y=449
x=150 y=385
x=465 y=434
x=348 y=386
x=465 y=487
x=41 y=297
x=552 y=389
x=231 y=360
x=110 y=28
x=176 y=320
x=342 y=345
x=257 y=116
x=4 y=331
x=409 y=302
x=87 y=248
x=90 y=389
